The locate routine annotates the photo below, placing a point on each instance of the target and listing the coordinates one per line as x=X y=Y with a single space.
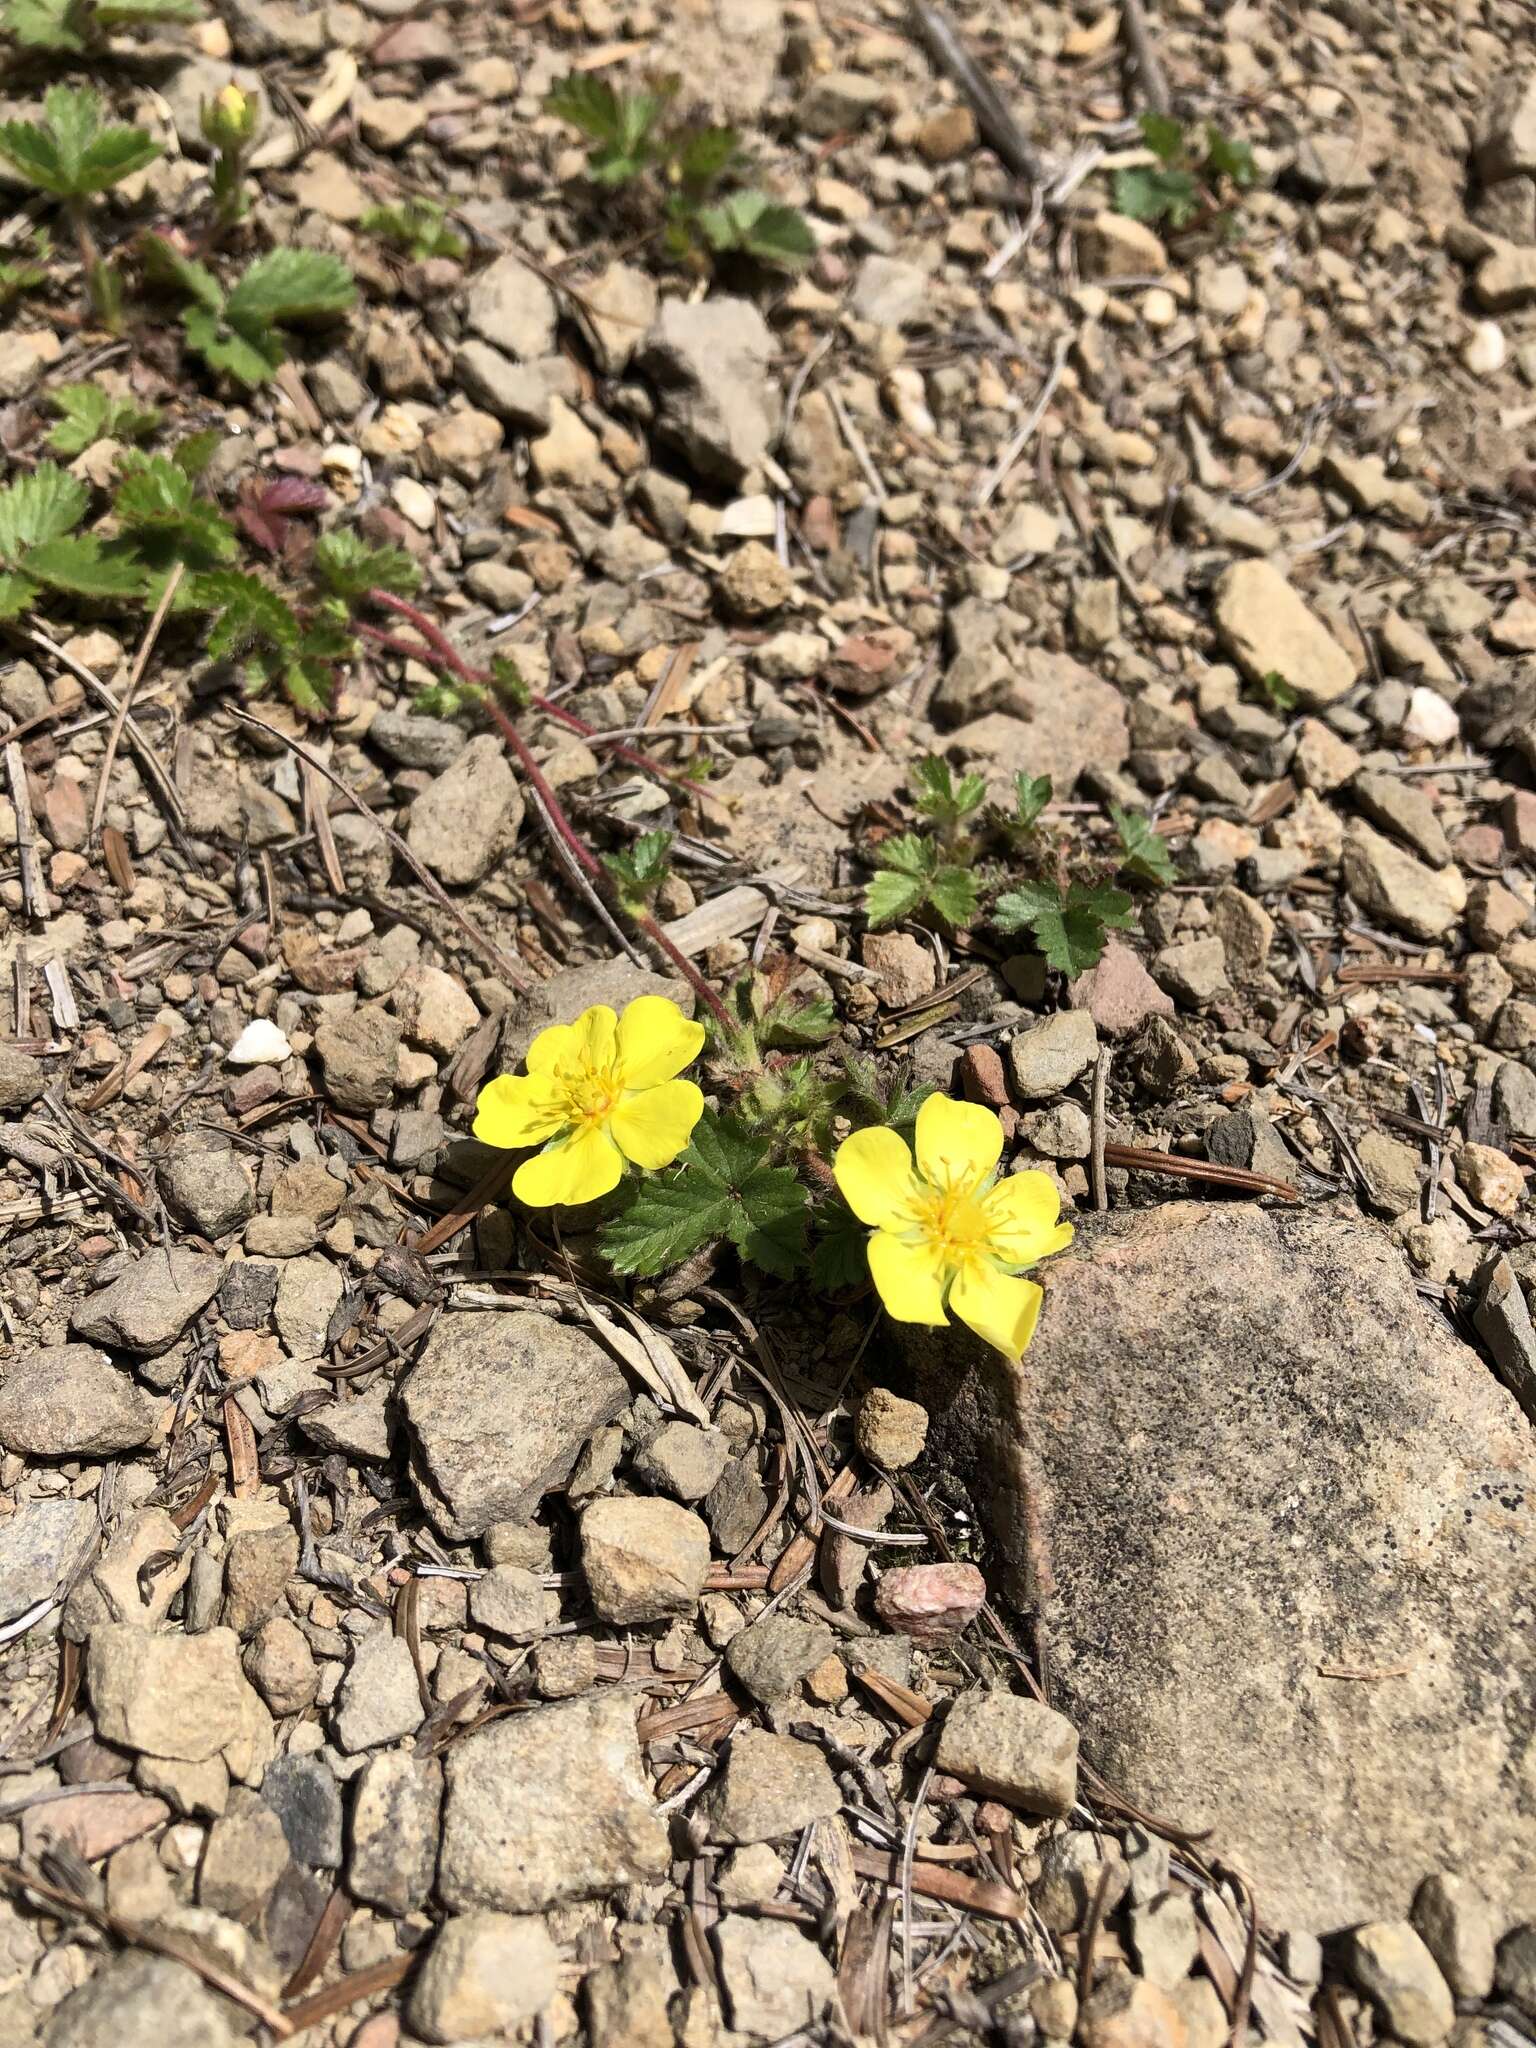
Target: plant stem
x=102 y=300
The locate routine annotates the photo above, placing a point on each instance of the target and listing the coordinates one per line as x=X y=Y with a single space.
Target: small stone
x=518 y=1831
x=905 y=967
x=208 y=1190
x=1119 y=994
x=627 y=2001
x=755 y=581
x=484 y=1974
x=436 y=1010
x=1491 y=1178
x=181 y=1697
x=260 y=1044
x=1167 y=1938
x=257 y=1567
x=1246 y=931
x=644 y=1560
x=512 y=307
x=393 y=1844
x=1158 y=1061
x=71 y=1400
x=773 y=1657
x=280 y=1664
x=1053 y=2007
x=776 y=1981
x=710 y=363
x=1389 y=1962
x=1269 y=629
x=379 y=1699
x=139 y=2000
x=94 y=1823
x=1387 y=883
x=469 y=817
x=1323 y=760
x=149 y=1301
x=930 y=1601
x=44 y=1545
x=1012 y=1749
x=359 y=1053
x=304 y=1795
x=889 y=1431
x=1075 y=1869
x=22 y=1078
x=1129 y=2012
x=1394 y=803
x=508 y=1601
x=1113 y=245
x=888 y=292
x=1194 y=972
x=838 y=103
x=1457 y=1925
x=1047 y=1057
x=682 y=1460
x=771 y=1787
x=245 y=1855
x=309 y=1291
x=1515 y=1968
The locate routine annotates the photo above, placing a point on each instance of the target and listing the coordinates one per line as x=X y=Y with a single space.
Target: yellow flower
x=600 y=1091
x=947 y=1232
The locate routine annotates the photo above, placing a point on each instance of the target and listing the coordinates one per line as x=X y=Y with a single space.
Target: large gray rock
x=42 y=1548
x=549 y=1805
x=149 y=1300
x=1287 y=1474
x=70 y=1400
x=136 y=2000
x=710 y=363
x=499 y=1407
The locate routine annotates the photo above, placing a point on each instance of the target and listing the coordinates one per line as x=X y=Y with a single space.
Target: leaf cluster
x=79 y=28
x=418 y=228
x=238 y=332
x=638 y=870
x=70 y=154
x=1197 y=173
x=89 y=413
x=724 y=1188
x=690 y=172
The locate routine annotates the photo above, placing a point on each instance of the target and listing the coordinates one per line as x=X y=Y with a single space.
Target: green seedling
x=88 y=413
x=239 y=332
x=418 y=228
x=41 y=550
x=685 y=171
x=1198 y=173
x=918 y=872
x=725 y=1186
x=79 y=28
x=1144 y=855
x=1069 y=922
x=73 y=158
x=639 y=871
x=1276 y=691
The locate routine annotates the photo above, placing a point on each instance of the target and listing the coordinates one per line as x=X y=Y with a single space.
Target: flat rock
x=392 y=1853
x=1391 y=885
x=182 y=1697
x=43 y=1545
x=22 y=1078
x=1267 y=627
x=512 y=307
x=1046 y=1057
x=70 y=1400
x=138 y=2000
x=644 y=1560
x=150 y=1300
x=483 y=1975
x=771 y=1786
x=359 y=1052
x=771 y=1658
x=549 y=1805
x=499 y=1407
x=1009 y=1748
x=1391 y=1965
x=1263 y=1372
x=1044 y=714
x=710 y=364
x=469 y=816
x=207 y=1189
x=1119 y=994
x=777 y=1982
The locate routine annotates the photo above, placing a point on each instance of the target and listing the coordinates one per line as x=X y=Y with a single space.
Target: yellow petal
x=517 y=1109
x=575 y=1169
x=1001 y=1310
x=908 y=1278
x=656 y=1041
x=1022 y=1212
x=597 y=1038
x=958 y=1143
x=873 y=1170
x=652 y=1125
x=552 y=1048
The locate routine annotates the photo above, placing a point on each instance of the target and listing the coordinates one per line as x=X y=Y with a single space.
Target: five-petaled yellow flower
x=948 y=1232
x=597 y=1092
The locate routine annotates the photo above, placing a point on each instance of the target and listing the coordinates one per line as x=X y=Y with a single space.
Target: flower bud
x=229 y=119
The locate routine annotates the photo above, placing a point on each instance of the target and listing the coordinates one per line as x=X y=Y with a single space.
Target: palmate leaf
x=88 y=413
x=890 y=896
x=1144 y=853
x=1227 y=158
x=32 y=153
x=43 y=25
x=1163 y=135
x=86 y=566
x=247 y=614
x=702 y=156
x=114 y=154
x=1070 y=930
x=350 y=567
x=722 y=1187
x=157 y=503
x=287 y=285
x=165 y=264
x=17 y=594
x=954 y=894
x=1157 y=195
x=640 y=869
x=249 y=362
x=1031 y=794
x=759 y=227
x=38 y=508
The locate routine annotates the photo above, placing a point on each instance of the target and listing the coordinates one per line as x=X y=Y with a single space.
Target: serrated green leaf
x=249 y=362
x=1228 y=158
x=165 y=264
x=589 y=104
x=1157 y=195
x=760 y=227
x=73 y=116
x=937 y=795
x=347 y=564
x=1143 y=851
x=508 y=683
x=17 y=594
x=640 y=869
x=1031 y=794
x=19 y=277
x=703 y=156
x=308 y=683
x=33 y=155
x=906 y=853
x=286 y=285
x=722 y=1187
x=44 y=25
x=88 y=414
x=39 y=508
x=1070 y=930
x=1163 y=135
x=248 y=614
x=890 y=896
x=1277 y=690
x=1017 y=910
x=954 y=895
x=416 y=226
x=114 y=154
x=86 y=566
x=116 y=14
x=195 y=453
x=152 y=491
x=788 y=1024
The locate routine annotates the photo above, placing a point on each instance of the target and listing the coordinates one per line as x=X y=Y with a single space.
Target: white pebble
x=415 y=501
x=1485 y=349
x=260 y=1044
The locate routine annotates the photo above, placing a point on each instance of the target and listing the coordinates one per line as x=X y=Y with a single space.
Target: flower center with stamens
x=953 y=1223
x=591 y=1094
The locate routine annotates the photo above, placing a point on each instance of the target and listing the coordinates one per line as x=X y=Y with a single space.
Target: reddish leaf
x=294 y=494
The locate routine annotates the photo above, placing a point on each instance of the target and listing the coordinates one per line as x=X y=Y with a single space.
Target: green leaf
x=1279 y=692
x=1227 y=158
x=309 y=683
x=704 y=155
x=787 y=1024
x=1144 y=852
x=44 y=25
x=89 y=414
x=640 y=869
x=722 y=1187
x=1031 y=794
x=32 y=154
x=87 y=566
x=1070 y=930
x=348 y=565
x=157 y=503
x=73 y=116
x=905 y=853
x=954 y=895
x=116 y=14
x=760 y=227
x=115 y=154
x=249 y=614
x=417 y=226
x=1163 y=135
x=195 y=453
x=287 y=285
x=587 y=103
x=1157 y=195
x=840 y=1256
x=17 y=594
x=508 y=684
x=17 y=277
x=890 y=896
x=165 y=264
x=249 y=362
x=39 y=508
x=937 y=795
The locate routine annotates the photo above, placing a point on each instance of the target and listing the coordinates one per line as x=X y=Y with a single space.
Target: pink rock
x=930 y=1600
x=95 y=1823
x=1119 y=994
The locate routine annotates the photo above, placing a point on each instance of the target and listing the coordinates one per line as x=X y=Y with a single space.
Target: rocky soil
x=407 y=1637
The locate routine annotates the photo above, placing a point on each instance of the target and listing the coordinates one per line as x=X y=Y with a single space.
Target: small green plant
x=418 y=228
x=639 y=870
x=80 y=28
x=89 y=413
x=22 y=274
x=688 y=171
x=1069 y=921
x=1198 y=173
x=1144 y=854
x=724 y=1187
x=916 y=872
x=238 y=332
x=73 y=158
x=1276 y=691
x=230 y=121
x=40 y=548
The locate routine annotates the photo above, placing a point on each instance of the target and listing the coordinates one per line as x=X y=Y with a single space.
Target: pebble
x=392 y=1843
x=1129 y=2012
x=930 y=1601
x=771 y=1786
x=1012 y=1749
x=776 y=1981
x=181 y=1697
x=1458 y=1927
x=1390 y=1963
x=644 y=1560
x=71 y=1400
x=889 y=1431
x=772 y=1658
x=304 y=1794
x=148 y=1300
x=484 y=1974
x=379 y=1700
x=1049 y=1056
